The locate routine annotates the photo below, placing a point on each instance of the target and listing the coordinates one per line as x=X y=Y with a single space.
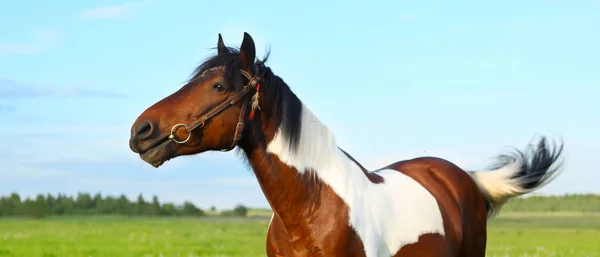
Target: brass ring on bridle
x=174 y=138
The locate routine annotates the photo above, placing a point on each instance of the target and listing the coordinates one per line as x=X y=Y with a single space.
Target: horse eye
x=219 y=87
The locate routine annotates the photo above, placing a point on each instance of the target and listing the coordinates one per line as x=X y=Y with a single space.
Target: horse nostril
x=144 y=130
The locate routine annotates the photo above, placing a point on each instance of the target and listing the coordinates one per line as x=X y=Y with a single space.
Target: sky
x=393 y=80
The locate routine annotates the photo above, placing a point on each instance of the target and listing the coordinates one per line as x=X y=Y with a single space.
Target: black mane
x=277 y=99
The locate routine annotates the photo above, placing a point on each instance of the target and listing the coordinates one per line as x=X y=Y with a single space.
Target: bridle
x=253 y=82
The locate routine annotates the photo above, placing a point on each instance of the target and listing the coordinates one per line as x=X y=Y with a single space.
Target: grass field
x=512 y=234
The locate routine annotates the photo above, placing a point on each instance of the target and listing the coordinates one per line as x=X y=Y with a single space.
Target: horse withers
x=324 y=202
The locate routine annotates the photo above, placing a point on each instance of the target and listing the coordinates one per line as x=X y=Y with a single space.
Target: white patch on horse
x=385 y=216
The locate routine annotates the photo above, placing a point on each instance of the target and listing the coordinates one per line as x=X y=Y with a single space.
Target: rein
x=253 y=82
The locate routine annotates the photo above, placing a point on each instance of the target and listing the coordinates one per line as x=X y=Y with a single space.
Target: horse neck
x=292 y=180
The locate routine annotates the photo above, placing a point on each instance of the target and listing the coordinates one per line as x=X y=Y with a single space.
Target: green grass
x=512 y=234
x=62 y=237
x=545 y=234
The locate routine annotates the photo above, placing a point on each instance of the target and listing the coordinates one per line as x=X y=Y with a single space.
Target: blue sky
x=392 y=79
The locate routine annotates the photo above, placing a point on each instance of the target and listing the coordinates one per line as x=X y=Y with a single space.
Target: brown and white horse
x=324 y=202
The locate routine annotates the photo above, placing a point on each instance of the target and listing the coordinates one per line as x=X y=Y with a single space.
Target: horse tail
x=518 y=173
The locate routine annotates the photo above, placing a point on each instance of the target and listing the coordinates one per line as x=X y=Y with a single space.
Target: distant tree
x=58 y=209
x=123 y=205
x=45 y=205
x=168 y=209
x=155 y=209
x=189 y=209
x=65 y=205
x=39 y=208
x=51 y=202
x=84 y=203
x=97 y=202
x=4 y=206
x=240 y=210
x=14 y=203
x=140 y=206
x=9 y=206
x=108 y=205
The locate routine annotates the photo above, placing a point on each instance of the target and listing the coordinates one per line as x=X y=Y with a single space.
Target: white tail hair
x=518 y=173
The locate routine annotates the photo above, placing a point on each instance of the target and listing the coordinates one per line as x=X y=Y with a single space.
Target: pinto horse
x=324 y=202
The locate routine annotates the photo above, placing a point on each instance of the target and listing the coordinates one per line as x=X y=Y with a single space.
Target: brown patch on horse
x=427 y=246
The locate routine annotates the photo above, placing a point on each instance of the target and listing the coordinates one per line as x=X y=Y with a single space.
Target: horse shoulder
x=278 y=240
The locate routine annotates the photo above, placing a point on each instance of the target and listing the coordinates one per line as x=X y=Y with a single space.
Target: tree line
x=562 y=203
x=86 y=204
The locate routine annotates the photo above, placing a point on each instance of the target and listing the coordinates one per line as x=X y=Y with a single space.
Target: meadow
x=546 y=226
x=511 y=234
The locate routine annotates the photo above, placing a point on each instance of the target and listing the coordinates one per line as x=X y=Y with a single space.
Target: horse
x=324 y=202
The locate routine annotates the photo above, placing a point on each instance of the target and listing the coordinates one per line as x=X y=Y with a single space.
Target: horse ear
x=247 y=51
x=221 y=46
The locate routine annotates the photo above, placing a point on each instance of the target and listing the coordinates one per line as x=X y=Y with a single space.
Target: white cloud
x=114 y=11
x=406 y=17
x=41 y=41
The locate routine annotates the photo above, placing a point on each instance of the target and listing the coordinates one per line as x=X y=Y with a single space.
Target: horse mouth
x=157 y=154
